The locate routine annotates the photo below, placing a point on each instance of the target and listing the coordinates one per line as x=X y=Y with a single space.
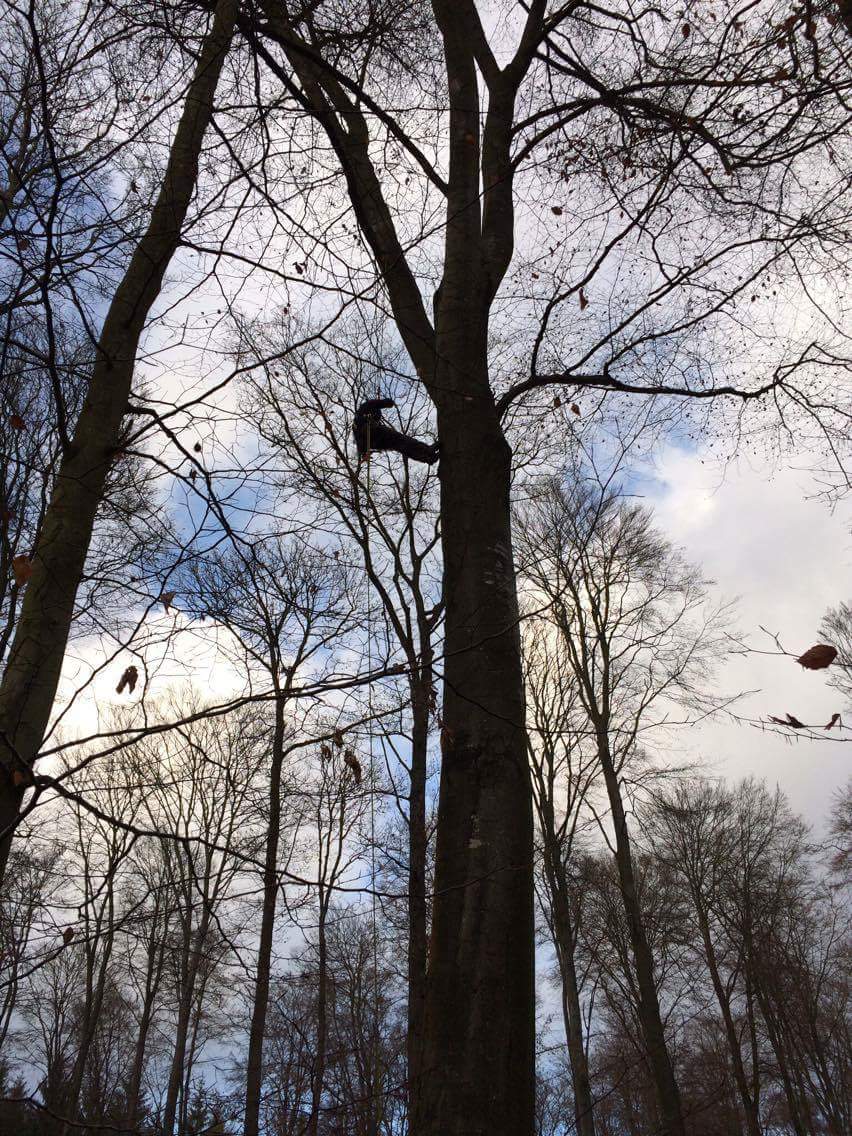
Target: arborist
x=373 y=433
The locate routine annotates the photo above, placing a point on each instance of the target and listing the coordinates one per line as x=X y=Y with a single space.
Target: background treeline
x=140 y=1020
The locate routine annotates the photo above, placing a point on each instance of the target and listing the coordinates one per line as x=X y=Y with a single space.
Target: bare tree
x=638 y=636
x=387 y=517
x=89 y=448
x=564 y=771
x=553 y=90
x=288 y=610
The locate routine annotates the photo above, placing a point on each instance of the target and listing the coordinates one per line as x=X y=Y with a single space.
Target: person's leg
x=386 y=438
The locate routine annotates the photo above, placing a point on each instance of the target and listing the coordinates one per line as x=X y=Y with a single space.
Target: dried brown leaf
x=22 y=569
x=818 y=657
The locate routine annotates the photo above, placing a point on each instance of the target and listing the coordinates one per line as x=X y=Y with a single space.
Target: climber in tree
x=373 y=433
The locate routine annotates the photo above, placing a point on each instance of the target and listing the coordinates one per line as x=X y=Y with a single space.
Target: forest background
x=242 y=668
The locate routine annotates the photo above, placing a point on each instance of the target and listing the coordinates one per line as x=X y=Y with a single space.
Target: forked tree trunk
x=35 y=660
x=476 y=1073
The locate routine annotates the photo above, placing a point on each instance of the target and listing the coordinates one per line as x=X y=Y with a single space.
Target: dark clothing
x=373 y=433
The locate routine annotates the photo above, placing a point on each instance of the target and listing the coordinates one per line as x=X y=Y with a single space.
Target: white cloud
x=786 y=555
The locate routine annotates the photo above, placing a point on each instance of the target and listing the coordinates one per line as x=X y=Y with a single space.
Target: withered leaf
x=128 y=679
x=354 y=764
x=584 y=303
x=818 y=657
x=67 y=935
x=575 y=408
x=166 y=599
x=835 y=721
x=556 y=210
x=338 y=739
x=22 y=569
x=790 y=720
x=17 y=422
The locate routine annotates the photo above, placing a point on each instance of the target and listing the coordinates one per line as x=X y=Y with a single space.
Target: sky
x=765 y=539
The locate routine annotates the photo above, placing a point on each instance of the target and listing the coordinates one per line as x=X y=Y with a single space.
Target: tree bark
x=193 y=950
x=35 y=660
x=254 y=1069
x=477 y=1069
x=749 y=1104
x=565 y=941
x=417 y=930
x=665 y=1085
x=318 y=1071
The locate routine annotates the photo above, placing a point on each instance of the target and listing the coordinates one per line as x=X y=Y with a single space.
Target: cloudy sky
x=763 y=537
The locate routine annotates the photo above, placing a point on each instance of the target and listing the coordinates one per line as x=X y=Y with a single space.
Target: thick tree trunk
x=254 y=1070
x=35 y=660
x=477 y=1068
x=665 y=1085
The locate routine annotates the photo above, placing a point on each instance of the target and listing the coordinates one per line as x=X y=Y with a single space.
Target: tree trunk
x=417 y=951
x=776 y=1040
x=134 y=1084
x=35 y=660
x=665 y=1085
x=318 y=1074
x=477 y=1068
x=748 y=1103
x=565 y=939
x=193 y=953
x=254 y=1070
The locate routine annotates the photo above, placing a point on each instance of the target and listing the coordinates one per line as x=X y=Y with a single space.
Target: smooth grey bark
x=35 y=659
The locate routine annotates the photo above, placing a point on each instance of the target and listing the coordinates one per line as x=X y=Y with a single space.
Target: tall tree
x=89 y=448
x=578 y=86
